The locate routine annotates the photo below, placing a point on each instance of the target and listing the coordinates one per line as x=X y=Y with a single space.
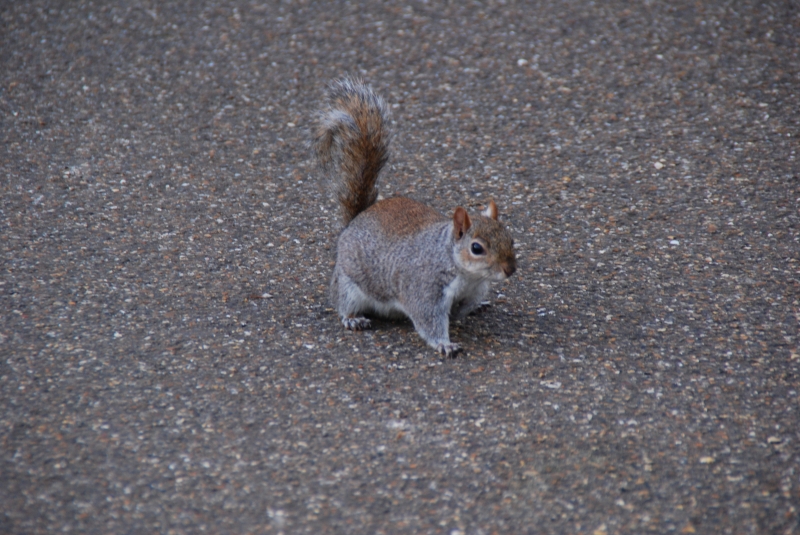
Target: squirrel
x=397 y=256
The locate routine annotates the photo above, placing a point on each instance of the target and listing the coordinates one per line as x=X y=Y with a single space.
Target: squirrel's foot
x=448 y=350
x=356 y=324
x=484 y=306
x=465 y=311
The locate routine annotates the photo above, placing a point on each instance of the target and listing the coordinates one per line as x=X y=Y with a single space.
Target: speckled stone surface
x=170 y=362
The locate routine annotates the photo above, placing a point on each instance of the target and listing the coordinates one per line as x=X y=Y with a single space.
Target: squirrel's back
x=351 y=141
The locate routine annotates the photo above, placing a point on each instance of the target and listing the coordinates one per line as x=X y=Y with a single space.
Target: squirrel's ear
x=491 y=210
x=461 y=223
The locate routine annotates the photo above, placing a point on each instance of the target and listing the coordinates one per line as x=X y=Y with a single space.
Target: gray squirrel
x=399 y=257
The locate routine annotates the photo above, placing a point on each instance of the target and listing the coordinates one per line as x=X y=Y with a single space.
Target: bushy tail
x=351 y=142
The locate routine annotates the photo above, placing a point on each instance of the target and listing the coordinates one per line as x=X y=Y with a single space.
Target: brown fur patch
x=402 y=216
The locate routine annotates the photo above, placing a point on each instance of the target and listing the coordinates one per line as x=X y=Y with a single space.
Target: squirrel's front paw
x=448 y=350
x=356 y=324
x=481 y=308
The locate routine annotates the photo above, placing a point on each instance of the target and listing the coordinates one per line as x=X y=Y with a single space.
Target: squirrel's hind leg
x=350 y=302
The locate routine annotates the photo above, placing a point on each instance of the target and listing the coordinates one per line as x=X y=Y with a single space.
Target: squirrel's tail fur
x=351 y=142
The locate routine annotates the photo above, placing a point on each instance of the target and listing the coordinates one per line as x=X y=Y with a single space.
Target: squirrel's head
x=484 y=248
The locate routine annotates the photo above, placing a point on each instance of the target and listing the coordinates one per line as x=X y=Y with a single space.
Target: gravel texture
x=170 y=361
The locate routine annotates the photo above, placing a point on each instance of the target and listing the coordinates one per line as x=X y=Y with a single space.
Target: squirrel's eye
x=477 y=248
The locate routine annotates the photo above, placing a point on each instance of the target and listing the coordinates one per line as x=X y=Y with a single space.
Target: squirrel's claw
x=448 y=350
x=356 y=324
x=480 y=309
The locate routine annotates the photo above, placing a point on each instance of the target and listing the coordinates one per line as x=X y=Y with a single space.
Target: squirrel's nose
x=509 y=269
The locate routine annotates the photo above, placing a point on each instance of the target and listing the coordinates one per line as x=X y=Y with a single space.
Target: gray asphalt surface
x=171 y=364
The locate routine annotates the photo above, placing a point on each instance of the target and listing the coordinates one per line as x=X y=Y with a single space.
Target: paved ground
x=170 y=362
